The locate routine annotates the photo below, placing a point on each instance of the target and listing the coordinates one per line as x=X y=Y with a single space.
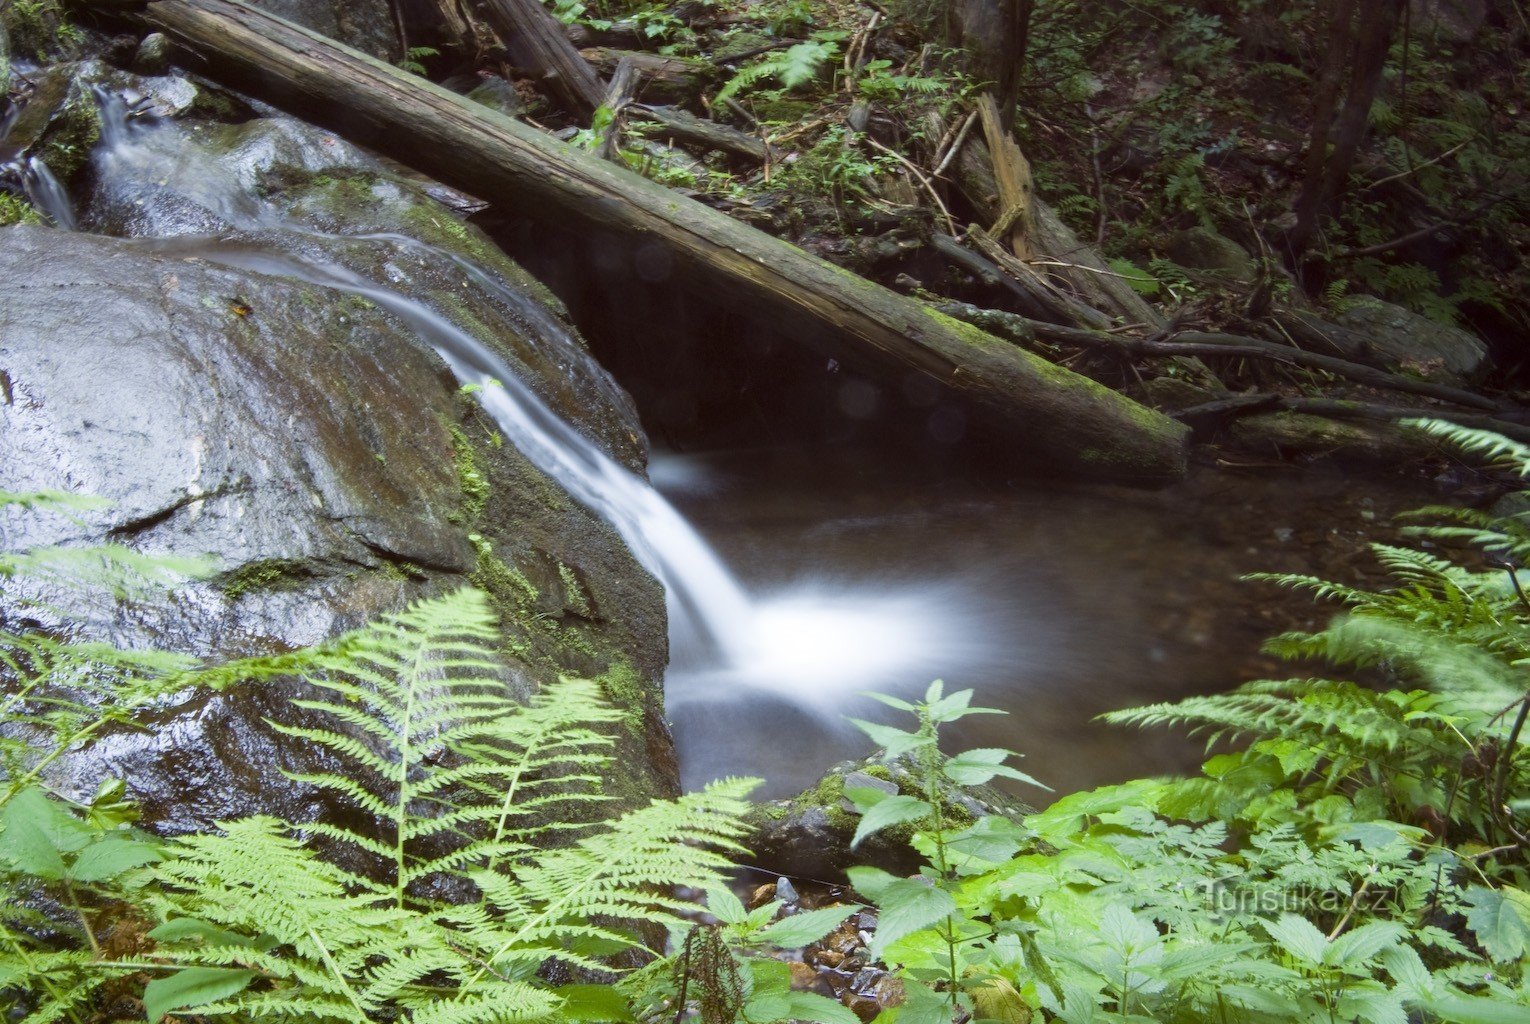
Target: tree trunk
x=1034 y=411
x=1360 y=36
x=995 y=34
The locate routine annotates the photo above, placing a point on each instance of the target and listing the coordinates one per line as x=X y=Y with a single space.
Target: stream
x=800 y=577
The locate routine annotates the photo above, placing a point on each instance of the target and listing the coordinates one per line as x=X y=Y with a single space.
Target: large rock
x=1405 y=341
x=1214 y=254
x=311 y=442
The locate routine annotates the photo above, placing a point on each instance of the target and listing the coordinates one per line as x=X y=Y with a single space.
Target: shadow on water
x=1056 y=602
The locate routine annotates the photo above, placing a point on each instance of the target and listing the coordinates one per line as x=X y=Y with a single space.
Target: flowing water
x=1056 y=602
x=811 y=645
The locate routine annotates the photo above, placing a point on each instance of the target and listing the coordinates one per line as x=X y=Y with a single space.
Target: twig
x=956 y=147
x=1418 y=167
x=914 y=169
x=1354 y=903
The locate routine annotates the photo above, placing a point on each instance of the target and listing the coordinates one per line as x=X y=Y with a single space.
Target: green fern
x=791 y=67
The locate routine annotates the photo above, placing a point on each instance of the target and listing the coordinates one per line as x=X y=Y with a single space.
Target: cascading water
x=808 y=646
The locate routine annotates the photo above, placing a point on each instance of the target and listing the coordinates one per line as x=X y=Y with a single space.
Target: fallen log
x=666 y=80
x=1017 y=403
x=682 y=126
x=1207 y=343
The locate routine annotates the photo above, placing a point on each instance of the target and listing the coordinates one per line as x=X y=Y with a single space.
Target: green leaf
x=805 y=928
x=111 y=857
x=1477 y=1010
x=1356 y=948
x=38 y=831
x=893 y=741
x=1500 y=921
x=725 y=906
x=991 y=838
x=182 y=928
x=905 y=906
x=592 y=1003
x=1299 y=937
x=192 y=987
x=810 y=1006
x=885 y=813
x=975 y=767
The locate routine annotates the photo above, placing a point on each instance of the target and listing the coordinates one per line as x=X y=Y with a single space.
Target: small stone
x=866 y=920
x=153 y=54
x=864 y=1007
x=785 y=892
x=803 y=976
x=827 y=957
x=865 y=979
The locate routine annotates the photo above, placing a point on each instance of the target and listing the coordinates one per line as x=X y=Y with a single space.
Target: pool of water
x=1056 y=602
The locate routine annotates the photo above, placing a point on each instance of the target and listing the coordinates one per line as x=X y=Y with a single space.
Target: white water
x=811 y=645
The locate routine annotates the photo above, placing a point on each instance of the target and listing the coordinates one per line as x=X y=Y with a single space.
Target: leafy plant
x=472 y=861
x=1350 y=853
x=791 y=67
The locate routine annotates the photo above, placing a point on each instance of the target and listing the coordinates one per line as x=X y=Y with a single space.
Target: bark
x=995 y=34
x=1360 y=35
x=535 y=41
x=1034 y=411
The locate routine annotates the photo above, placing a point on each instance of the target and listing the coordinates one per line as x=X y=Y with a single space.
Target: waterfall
x=708 y=609
x=47 y=195
x=811 y=645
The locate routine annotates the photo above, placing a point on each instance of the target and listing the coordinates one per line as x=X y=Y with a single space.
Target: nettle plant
x=1351 y=852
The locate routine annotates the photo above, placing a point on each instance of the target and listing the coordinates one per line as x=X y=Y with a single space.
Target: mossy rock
x=808 y=835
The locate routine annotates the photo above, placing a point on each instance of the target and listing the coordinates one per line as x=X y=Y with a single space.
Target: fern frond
x=1510 y=454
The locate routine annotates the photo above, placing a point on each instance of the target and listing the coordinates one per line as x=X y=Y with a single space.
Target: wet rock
x=365 y=24
x=1205 y=250
x=809 y=835
x=226 y=179
x=61 y=120
x=1409 y=343
x=803 y=976
x=153 y=55
x=312 y=444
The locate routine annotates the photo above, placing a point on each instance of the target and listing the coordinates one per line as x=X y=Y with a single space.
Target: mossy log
x=1017 y=403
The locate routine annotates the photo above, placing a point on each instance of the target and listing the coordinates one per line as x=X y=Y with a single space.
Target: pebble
x=785 y=892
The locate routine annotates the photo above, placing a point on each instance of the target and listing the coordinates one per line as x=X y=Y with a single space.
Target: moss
x=574 y=598
x=626 y=689
x=265 y=575
x=15 y=210
x=471 y=478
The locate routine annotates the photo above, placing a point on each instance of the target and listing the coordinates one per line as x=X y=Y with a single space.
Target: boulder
x=1451 y=21
x=309 y=441
x=1211 y=253
x=1402 y=340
